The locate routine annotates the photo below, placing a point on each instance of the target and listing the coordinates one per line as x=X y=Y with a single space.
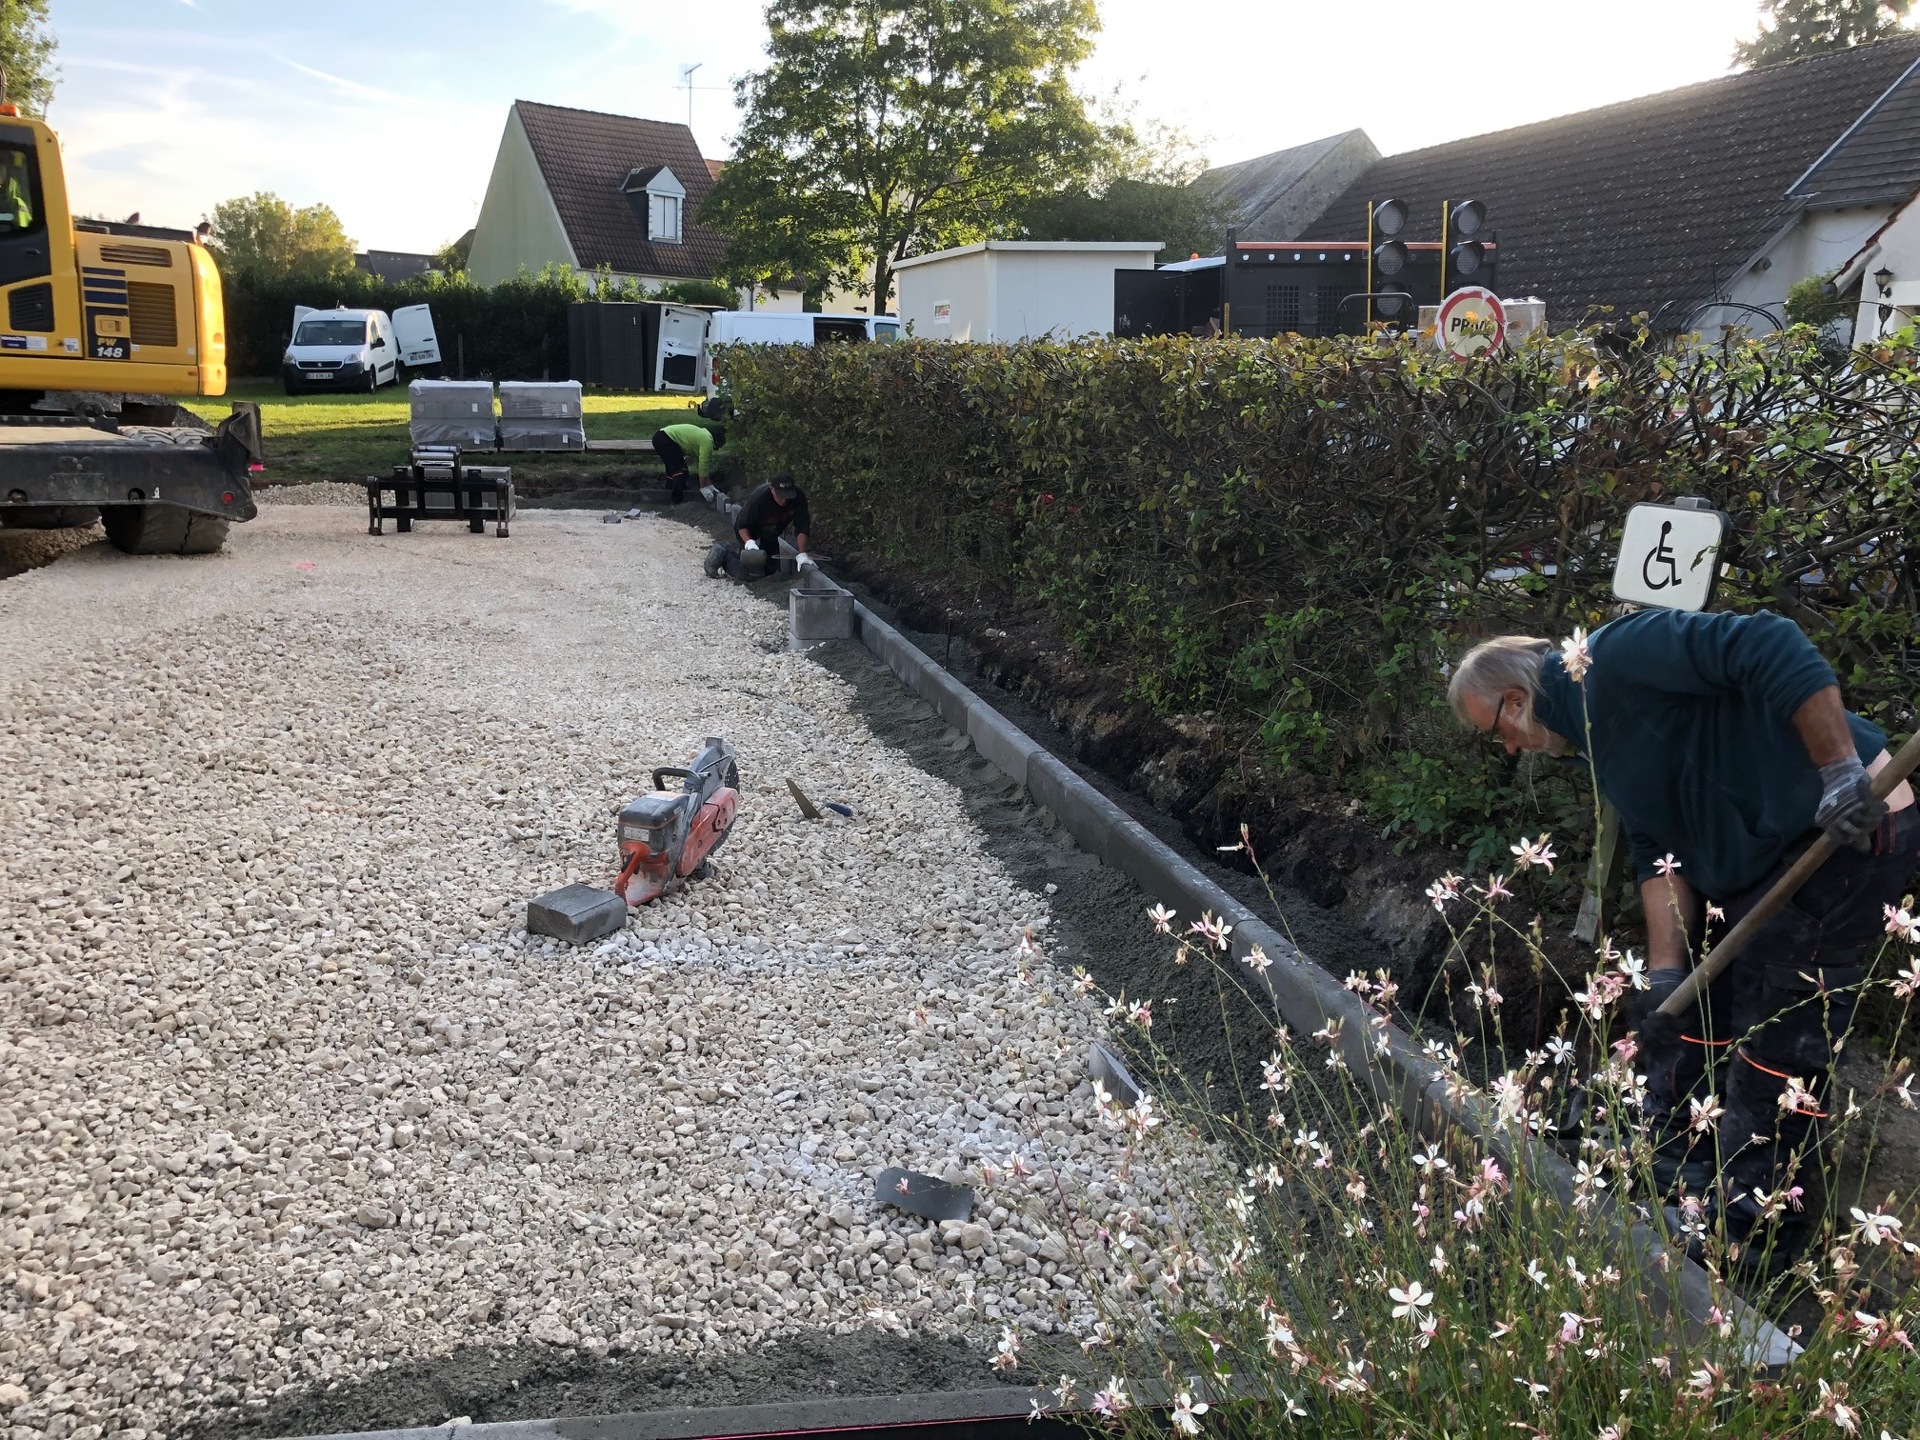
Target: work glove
x=804 y=562
x=1848 y=811
x=750 y=548
x=1640 y=1004
x=707 y=492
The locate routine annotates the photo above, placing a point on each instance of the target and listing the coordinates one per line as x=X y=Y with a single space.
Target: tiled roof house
x=1731 y=189
x=589 y=190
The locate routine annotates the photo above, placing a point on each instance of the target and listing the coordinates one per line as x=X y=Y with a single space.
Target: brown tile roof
x=585 y=155
x=1651 y=204
x=1878 y=159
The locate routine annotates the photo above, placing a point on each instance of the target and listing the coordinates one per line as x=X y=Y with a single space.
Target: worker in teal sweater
x=1722 y=741
x=675 y=443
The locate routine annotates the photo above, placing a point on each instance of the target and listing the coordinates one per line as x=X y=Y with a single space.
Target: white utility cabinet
x=1011 y=290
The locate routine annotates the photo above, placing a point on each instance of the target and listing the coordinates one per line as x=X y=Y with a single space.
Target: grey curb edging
x=1307 y=997
x=945 y=1408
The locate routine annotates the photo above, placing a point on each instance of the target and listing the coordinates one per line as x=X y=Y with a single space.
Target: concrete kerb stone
x=1306 y=996
x=822 y=1418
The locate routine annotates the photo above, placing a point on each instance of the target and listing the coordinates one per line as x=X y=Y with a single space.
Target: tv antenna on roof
x=686 y=79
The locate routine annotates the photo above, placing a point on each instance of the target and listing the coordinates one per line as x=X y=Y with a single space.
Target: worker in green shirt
x=677 y=443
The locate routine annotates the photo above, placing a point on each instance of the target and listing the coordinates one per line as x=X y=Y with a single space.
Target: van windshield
x=885 y=333
x=331 y=332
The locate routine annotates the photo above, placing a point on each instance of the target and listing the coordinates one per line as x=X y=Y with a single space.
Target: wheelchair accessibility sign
x=1670 y=556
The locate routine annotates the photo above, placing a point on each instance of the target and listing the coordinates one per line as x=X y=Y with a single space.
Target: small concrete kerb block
x=817 y=613
x=576 y=913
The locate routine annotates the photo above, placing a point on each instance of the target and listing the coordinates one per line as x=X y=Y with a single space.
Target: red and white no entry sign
x=1471 y=322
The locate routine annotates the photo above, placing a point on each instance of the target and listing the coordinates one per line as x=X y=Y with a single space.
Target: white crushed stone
x=312 y=492
x=286 y=1092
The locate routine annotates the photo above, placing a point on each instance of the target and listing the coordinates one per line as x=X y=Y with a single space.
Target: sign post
x=1669 y=559
x=1472 y=321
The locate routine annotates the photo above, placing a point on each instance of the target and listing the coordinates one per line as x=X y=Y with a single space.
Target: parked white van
x=340 y=350
x=768 y=327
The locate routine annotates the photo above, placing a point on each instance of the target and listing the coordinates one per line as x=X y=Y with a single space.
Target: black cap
x=783 y=484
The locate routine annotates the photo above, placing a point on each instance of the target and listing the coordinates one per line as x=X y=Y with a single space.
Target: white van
x=769 y=327
x=340 y=350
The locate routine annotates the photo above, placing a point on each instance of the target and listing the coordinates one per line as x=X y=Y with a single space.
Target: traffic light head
x=1467 y=258
x=1389 y=217
x=1389 y=303
x=1466 y=218
x=1389 y=257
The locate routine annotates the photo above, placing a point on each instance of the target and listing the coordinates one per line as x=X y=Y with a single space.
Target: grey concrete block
x=576 y=913
x=818 y=612
x=1090 y=817
x=1000 y=741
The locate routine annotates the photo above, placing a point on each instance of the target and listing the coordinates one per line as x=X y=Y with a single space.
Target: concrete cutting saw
x=670 y=832
x=666 y=836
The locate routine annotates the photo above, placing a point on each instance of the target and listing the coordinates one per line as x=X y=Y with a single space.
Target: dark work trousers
x=1790 y=994
x=675 y=461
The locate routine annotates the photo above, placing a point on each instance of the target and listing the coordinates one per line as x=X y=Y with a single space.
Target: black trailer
x=1312 y=288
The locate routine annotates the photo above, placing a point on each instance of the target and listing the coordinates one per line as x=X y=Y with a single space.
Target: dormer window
x=665 y=199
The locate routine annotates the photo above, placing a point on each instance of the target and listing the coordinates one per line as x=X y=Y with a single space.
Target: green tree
x=1794 y=29
x=26 y=54
x=1142 y=189
x=882 y=128
x=262 y=235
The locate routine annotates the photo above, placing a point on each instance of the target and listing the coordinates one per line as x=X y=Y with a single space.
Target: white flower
x=1560 y=1050
x=1875 y=1228
x=1529 y=853
x=1187 y=1412
x=1410 y=1301
x=1537 y=1273
x=1666 y=864
x=1576 y=655
x=1705 y=1113
x=1430 y=1160
x=1007 y=1353
x=1439 y=1261
x=1113 y=1399
x=1903 y=924
x=1635 y=969
x=1257 y=958
x=1446 y=888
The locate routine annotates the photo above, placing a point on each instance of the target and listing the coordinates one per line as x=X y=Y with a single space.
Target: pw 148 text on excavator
x=102 y=326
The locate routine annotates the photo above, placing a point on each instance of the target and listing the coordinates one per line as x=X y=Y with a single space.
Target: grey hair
x=1493 y=667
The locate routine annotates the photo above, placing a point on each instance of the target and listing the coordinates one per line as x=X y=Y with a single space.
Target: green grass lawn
x=348 y=437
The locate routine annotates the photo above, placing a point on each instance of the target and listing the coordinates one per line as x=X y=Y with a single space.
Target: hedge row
x=1299 y=534
x=516 y=330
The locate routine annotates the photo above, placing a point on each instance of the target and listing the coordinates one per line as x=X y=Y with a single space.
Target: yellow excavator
x=102 y=326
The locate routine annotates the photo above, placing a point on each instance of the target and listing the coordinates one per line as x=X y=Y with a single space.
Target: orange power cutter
x=669 y=833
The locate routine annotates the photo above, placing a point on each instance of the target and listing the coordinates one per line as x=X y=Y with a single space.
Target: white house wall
x=518 y=226
x=1819 y=244
x=1900 y=256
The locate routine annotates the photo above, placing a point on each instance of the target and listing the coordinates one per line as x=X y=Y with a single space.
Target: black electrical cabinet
x=613 y=343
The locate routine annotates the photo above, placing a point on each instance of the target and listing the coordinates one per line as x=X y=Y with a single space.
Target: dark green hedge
x=1299 y=534
x=513 y=331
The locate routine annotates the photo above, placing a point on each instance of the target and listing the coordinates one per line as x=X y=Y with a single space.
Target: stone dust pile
x=286 y=1093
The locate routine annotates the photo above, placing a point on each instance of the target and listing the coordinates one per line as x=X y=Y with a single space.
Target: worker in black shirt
x=759 y=524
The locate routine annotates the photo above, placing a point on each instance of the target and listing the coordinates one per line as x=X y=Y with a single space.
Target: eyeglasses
x=1493 y=726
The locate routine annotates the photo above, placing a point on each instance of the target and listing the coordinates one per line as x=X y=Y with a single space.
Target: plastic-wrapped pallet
x=541 y=415
x=451 y=412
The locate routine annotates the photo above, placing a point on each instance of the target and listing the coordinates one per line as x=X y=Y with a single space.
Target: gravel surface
x=287 y=1095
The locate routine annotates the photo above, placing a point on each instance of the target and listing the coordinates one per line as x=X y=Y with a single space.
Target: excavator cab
x=101 y=325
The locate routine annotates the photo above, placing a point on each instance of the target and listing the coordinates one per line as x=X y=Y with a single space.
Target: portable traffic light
x=1386 y=255
x=1463 y=253
x=1387 y=219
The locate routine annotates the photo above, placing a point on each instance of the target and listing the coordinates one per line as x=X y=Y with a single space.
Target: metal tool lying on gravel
x=666 y=837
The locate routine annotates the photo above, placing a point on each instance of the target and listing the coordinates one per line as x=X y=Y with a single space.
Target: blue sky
x=391 y=110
